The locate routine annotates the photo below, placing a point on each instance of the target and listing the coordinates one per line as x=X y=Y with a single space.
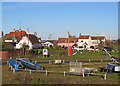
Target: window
x=63 y=41
x=92 y=47
x=73 y=41
x=82 y=41
x=80 y=46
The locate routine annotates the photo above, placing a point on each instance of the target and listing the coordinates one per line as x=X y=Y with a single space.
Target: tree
x=24 y=47
x=6 y=46
x=101 y=45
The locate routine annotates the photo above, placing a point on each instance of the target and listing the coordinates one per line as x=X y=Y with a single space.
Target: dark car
x=107 y=48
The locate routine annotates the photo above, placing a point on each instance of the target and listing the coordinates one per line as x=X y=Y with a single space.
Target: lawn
x=84 y=56
x=23 y=77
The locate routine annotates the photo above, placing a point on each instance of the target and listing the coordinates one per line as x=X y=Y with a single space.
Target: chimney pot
x=35 y=33
x=27 y=31
x=2 y=34
x=19 y=30
x=13 y=30
x=80 y=35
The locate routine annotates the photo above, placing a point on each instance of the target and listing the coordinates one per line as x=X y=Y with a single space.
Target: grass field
x=23 y=77
x=85 y=56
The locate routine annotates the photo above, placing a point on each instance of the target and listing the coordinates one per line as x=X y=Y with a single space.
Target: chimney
x=19 y=30
x=2 y=34
x=80 y=35
x=13 y=30
x=27 y=31
x=35 y=33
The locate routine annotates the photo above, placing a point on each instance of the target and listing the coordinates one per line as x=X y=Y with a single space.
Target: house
x=83 y=42
x=19 y=37
x=63 y=42
x=48 y=44
x=87 y=42
x=13 y=37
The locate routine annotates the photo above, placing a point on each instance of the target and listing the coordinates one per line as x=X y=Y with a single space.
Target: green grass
x=23 y=77
x=86 y=55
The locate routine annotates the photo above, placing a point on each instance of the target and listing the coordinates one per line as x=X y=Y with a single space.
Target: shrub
x=35 y=51
x=31 y=52
x=39 y=51
x=62 y=53
x=57 y=47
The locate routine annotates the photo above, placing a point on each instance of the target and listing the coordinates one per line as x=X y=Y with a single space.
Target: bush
x=31 y=52
x=39 y=51
x=35 y=51
x=57 y=47
x=62 y=53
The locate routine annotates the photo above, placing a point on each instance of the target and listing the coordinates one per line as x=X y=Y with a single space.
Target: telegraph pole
x=68 y=43
x=28 y=39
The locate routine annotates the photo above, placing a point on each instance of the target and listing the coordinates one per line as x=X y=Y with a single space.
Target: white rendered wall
x=24 y=40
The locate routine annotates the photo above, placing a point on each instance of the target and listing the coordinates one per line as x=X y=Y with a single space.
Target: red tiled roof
x=97 y=37
x=66 y=40
x=16 y=33
x=84 y=37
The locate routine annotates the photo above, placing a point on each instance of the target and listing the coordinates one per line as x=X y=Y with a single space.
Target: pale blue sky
x=57 y=18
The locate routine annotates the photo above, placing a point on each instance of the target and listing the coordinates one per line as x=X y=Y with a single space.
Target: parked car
x=37 y=46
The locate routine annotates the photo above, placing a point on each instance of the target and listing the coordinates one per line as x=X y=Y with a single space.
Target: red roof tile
x=84 y=37
x=66 y=40
x=97 y=37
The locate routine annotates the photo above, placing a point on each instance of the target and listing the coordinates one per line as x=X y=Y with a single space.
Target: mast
x=68 y=43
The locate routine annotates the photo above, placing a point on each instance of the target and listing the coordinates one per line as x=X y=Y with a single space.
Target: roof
x=33 y=38
x=21 y=33
x=66 y=39
x=11 y=37
x=84 y=36
x=47 y=43
x=17 y=35
x=97 y=37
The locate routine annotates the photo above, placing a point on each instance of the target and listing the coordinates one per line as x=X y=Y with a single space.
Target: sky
x=57 y=18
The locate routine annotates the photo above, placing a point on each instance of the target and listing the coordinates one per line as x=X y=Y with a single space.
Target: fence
x=84 y=61
x=8 y=54
x=62 y=72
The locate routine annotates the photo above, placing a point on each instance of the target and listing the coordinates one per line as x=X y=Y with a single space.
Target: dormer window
x=73 y=41
x=63 y=41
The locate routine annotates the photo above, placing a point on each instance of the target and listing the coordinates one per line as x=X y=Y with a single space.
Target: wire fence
x=59 y=72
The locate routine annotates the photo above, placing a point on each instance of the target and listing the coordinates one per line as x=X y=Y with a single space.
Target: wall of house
x=65 y=44
x=24 y=40
x=89 y=42
x=8 y=54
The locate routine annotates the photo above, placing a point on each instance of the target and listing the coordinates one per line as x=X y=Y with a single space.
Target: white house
x=29 y=40
x=48 y=44
x=87 y=42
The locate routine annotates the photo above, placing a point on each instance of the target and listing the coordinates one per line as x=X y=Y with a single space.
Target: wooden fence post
x=76 y=60
x=46 y=72
x=101 y=60
x=13 y=69
x=64 y=73
x=105 y=76
x=89 y=60
x=83 y=74
x=30 y=71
